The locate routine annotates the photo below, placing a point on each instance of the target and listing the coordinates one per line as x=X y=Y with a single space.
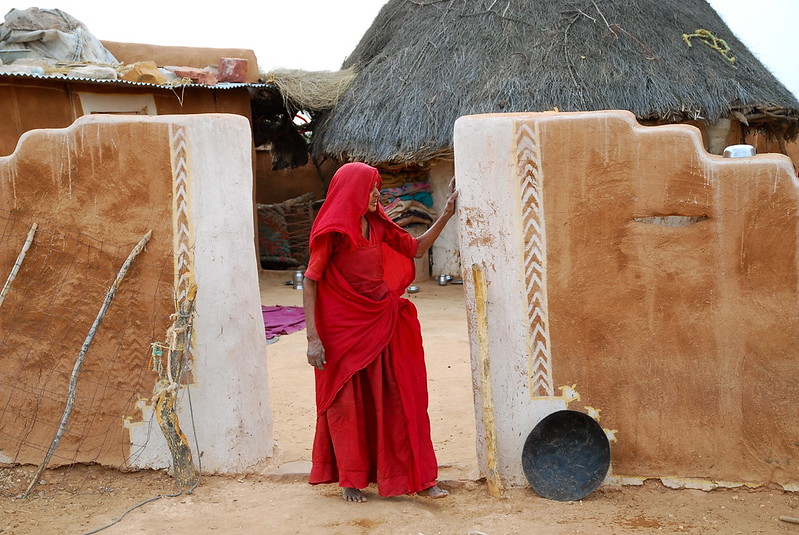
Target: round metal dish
x=566 y=456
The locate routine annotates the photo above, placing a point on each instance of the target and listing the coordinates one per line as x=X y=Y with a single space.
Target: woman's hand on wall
x=426 y=240
x=452 y=197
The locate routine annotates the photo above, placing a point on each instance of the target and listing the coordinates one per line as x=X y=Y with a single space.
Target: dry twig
x=18 y=263
x=73 y=379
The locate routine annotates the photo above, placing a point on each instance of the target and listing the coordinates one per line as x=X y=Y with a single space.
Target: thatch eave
x=424 y=64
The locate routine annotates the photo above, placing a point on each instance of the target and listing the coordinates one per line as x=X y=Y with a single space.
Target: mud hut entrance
x=451 y=408
x=287 y=200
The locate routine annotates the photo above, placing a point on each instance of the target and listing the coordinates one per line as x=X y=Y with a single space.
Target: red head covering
x=347 y=201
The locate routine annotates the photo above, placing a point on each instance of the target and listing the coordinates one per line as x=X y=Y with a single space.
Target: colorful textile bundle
x=408 y=212
x=407 y=188
x=393 y=179
x=283 y=231
x=410 y=191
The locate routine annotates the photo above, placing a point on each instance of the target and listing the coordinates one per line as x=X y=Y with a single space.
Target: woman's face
x=374 y=197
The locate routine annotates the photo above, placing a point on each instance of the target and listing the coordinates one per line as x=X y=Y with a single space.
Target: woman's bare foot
x=353 y=495
x=434 y=492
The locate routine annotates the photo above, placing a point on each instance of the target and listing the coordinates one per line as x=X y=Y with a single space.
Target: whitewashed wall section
x=502 y=231
x=743 y=276
x=213 y=242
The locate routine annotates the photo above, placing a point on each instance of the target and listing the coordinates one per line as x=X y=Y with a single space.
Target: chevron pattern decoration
x=182 y=234
x=529 y=172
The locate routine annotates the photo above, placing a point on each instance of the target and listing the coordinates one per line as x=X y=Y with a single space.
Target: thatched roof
x=424 y=63
x=310 y=90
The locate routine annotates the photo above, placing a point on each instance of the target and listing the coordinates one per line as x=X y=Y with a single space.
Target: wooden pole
x=495 y=487
x=178 y=344
x=73 y=379
x=18 y=263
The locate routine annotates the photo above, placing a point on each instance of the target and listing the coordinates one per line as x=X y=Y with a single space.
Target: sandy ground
x=276 y=499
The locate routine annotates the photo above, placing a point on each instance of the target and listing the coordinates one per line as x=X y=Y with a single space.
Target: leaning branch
x=73 y=380
x=18 y=263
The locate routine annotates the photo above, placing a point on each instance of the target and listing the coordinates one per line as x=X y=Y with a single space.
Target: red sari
x=372 y=424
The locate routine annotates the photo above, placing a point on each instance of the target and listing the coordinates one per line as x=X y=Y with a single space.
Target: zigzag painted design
x=184 y=256
x=528 y=165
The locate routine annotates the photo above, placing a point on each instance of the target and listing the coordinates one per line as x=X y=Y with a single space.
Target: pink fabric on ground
x=281 y=319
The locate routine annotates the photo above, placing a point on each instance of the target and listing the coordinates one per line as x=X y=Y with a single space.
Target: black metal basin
x=566 y=456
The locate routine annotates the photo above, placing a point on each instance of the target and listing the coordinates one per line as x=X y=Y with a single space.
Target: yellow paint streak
x=495 y=487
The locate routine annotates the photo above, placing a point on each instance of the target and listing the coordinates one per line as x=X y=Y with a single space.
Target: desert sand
x=275 y=498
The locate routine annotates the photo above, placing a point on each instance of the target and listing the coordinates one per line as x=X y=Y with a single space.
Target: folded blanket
x=398 y=206
x=395 y=178
x=423 y=197
x=407 y=188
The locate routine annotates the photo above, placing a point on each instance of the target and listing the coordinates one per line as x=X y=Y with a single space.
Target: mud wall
x=636 y=277
x=30 y=103
x=763 y=144
x=196 y=57
x=284 y=184
x=94 y=189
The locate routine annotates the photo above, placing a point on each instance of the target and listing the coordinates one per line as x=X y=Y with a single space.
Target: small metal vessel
x=299 y=275
x=739 y=151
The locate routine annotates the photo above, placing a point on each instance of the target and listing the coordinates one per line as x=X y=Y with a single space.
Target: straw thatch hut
x=424 y=63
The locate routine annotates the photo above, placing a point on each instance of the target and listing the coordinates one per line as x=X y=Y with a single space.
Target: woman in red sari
x=365 y=342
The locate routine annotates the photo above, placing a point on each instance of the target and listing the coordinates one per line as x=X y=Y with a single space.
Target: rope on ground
x=180 y=490
x=173 y=347
x=117 y=520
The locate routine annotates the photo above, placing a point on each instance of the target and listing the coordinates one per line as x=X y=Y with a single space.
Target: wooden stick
x=179 y=340
x=73 y=380
x=790 y=519
x=495 y=487
x=18 y=263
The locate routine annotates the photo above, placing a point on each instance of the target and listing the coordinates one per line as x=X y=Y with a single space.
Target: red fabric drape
x=372 y=422
x=346 y=203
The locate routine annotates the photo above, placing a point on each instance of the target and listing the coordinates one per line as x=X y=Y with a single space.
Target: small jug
x=299 y=275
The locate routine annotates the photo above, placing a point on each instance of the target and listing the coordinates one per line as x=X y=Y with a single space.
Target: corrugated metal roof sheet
x=220 y=85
